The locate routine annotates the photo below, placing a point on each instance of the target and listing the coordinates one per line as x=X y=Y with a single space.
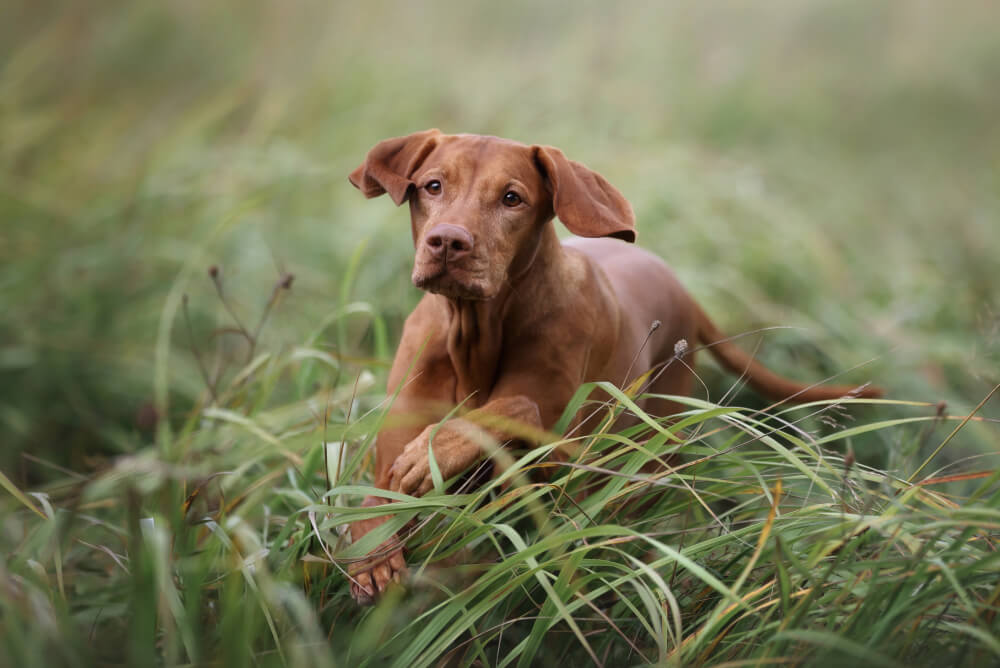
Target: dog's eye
x=511 y=198
x=433 y=187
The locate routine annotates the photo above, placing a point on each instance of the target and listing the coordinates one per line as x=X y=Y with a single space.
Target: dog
x=514 y=320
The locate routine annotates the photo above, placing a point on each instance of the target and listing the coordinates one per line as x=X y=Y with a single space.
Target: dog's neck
x=476 y=327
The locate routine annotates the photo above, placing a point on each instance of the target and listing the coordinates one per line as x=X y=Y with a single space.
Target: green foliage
x=167 y=438
x=225 y=542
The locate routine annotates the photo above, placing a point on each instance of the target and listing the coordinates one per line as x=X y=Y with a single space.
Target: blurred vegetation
x=829 y=166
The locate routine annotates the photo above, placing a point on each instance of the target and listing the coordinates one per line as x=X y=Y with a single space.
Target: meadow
x=197 y=312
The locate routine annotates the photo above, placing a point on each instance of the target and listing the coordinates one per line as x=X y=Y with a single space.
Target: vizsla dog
x=514 y=321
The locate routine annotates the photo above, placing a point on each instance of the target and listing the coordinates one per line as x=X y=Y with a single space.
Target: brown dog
x=514 y=321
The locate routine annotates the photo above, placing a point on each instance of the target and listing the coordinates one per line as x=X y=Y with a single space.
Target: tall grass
x=764 y=543
x=176 y=477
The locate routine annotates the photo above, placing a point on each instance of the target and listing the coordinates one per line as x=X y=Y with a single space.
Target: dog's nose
x=448 y=241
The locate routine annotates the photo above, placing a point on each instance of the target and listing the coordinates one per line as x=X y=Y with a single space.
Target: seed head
x=849 y=460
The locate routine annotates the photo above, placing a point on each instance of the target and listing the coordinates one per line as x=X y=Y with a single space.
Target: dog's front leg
x=385 y=564
x=457 y=444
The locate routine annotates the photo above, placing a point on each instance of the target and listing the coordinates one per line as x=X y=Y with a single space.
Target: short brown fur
x=514 y=321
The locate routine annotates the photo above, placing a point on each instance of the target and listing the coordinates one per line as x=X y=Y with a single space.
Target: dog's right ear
x=390 y=164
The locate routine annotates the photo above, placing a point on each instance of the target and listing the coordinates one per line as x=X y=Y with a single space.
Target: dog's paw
x=384 y=567
x=385 y=564
x=453 y=453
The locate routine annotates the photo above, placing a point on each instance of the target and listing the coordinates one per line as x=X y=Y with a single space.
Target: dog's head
x=477 y=205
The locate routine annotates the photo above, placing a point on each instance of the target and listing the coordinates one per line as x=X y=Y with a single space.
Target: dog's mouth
x=451 y=281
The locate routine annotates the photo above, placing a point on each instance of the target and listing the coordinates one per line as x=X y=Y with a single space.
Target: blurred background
x=830 y=166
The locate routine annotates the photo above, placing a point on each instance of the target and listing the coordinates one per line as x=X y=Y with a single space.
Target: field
x=197 y=312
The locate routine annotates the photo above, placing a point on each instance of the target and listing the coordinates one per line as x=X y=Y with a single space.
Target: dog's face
x=478 y=204
x=476 y=210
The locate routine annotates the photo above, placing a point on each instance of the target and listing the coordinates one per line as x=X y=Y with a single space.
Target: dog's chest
x=474 y=345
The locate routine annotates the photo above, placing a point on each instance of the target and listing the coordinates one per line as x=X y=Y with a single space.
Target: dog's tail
x=763 y=379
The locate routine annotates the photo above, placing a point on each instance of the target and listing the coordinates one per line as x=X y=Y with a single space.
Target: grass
x=825 y=166
x=225 y=543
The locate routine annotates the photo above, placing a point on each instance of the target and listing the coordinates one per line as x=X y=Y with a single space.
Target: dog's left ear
x=582 y=199
x=390 y=164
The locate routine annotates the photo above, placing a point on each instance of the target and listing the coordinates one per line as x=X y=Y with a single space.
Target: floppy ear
x=390 y=164
x=583 y=200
